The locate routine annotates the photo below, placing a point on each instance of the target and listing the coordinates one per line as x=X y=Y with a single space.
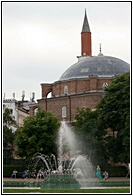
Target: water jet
x=69 y=169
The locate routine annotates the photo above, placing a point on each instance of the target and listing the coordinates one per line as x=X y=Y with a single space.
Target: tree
x=8 y=135
x=38 y=134
x=114 y=115
x=91 y=135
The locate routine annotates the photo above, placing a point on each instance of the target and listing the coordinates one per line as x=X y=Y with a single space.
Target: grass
x=109 y=190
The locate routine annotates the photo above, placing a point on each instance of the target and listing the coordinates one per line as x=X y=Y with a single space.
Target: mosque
x=82 y=84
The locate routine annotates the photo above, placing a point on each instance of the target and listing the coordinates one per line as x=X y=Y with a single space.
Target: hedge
x=114 y=171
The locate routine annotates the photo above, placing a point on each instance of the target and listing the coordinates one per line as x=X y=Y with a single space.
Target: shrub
x=115 y=171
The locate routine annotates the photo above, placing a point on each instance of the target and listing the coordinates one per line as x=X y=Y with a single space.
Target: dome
x=100 y=66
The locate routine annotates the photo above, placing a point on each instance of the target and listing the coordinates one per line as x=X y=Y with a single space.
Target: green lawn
x=109 y=190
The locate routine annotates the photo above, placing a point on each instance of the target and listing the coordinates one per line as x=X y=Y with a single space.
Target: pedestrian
x=25 y=174
x=98 y=173
x=39 y=174
x=33 y=173
x=14 y=173
x=106 y=175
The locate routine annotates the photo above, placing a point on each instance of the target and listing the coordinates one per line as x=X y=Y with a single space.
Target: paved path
x=92 y=179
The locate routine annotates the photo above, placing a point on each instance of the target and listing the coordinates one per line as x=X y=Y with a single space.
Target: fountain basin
x=55 y=182
x=52 y=182
x=64 y=181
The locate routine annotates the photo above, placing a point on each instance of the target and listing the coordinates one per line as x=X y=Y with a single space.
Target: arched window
x=65 y=89
x=64 y=112
x=105 y=85
x=49 y=95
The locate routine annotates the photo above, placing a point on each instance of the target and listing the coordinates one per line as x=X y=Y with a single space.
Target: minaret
x=86 y=38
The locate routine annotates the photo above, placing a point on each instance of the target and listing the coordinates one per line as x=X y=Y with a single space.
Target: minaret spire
x=100 y=51
x=86 y=38
x=85 y=27
x=100 y=48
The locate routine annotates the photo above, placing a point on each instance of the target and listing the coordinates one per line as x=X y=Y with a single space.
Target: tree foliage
x=8 y=135
x=38 y=134
x=114 y=115
x=91 y=135
x=8 y=119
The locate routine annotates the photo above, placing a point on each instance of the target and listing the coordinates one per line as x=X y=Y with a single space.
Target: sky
x=40 y=40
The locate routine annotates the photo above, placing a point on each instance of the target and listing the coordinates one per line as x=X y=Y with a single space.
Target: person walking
x=98 y=173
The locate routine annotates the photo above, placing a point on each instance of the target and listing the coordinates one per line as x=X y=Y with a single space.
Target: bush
x=11 y=161
x=115 y=171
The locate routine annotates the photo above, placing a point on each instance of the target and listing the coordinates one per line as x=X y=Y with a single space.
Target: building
x=19 y=109
x=23 y=112
x=83 y=83
x=12 y=105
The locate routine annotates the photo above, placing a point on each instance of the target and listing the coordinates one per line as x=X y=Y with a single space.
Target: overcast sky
x=40 y=40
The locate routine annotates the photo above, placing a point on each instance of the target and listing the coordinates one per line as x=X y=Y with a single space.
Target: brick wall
x=92 y=83
x=81 y=93
x=86 y=43
x=54 y=105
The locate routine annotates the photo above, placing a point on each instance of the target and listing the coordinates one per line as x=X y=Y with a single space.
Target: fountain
x=70 y=169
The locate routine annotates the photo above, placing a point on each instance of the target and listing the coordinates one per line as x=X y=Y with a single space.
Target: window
x=65 y=89
x=49 y=95
x=105 y=85
x=84 y=70
x=11 y=110
x=64 y=112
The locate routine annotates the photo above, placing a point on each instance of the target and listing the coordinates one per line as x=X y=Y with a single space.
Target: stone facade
x=21 y=116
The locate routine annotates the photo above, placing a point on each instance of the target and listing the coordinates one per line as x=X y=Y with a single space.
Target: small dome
x=101 y=66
